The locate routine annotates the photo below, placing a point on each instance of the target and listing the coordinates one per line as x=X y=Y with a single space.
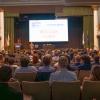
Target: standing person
x=6 y=92
x=63 y=74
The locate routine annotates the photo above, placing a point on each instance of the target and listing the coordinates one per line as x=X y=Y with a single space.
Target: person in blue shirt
x=44 y=71
x=63 y=74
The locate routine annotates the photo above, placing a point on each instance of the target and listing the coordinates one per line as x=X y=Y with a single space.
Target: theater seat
x=38 y=90
x=25 y=76
x=66 y=90
x=91 y=90
x=15 y=85
x=43 y=76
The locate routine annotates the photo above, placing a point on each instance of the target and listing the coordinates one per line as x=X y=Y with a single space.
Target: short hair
x=86 y=59
x=5 y=73
x=24 y=61
x=96 y=58
x=77 y=58
x=11 y=60
x=6 y=60
x=47 y=59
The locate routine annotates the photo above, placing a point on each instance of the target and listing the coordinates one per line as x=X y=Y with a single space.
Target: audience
x=49 y=65
x=63 y=74
x=6 y=92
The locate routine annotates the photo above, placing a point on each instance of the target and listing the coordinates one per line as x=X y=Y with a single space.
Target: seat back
x=25 y=76
x=43 y=76
x=91 y=90
x=66 y=90
x=38 y=90
x=15 y=85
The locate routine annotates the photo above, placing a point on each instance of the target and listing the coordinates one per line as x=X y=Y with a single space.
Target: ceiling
x=29 y=6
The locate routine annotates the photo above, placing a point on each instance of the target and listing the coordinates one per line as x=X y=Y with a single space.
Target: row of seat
x=59 y=90
x=42 y=76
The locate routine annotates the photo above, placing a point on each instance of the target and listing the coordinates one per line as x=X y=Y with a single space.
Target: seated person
x=63 y=74
x=6 y=92
x=76 y=63
x=24 y=61
x=96 y=60
x=86 y=63
x=44 y=71
x=95 y=74
x=1 y=59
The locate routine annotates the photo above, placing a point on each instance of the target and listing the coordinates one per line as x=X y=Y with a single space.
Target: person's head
x=77 y=58
x=63 y=62
x=5 y=73
x=11 y=60
x=35 y=59
x=24 y=61
x=85 y=59
x=96 y=58
x=96 y=73
x=6 y=60
x=1 y=58
x=47 y=59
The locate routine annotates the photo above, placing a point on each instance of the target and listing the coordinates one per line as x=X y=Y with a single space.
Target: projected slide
x=48 y=30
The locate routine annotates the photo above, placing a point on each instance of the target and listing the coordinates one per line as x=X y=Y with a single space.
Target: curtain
x=88 y=31
x=75 y=11
x=9 y=30
x=9 y=33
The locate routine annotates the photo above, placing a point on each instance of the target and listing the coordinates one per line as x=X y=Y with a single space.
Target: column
x=95 y=13
x=1 y=29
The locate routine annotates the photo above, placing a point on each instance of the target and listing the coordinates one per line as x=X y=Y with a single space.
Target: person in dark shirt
x=86 y=64
x=6 y=92
x=96 y=60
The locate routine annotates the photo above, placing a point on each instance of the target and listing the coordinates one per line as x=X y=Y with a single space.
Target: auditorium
x=49 y=49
